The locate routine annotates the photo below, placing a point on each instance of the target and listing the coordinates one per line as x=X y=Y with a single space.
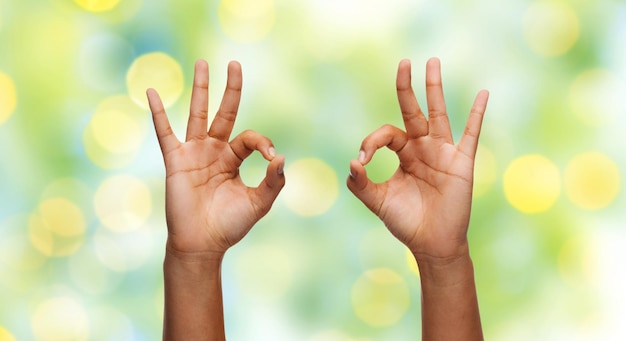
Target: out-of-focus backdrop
x=82 y=227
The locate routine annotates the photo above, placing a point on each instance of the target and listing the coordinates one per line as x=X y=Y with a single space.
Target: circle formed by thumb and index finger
x=390 y=136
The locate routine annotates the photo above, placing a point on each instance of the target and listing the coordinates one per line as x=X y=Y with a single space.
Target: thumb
x=363 y=188
x=267 y=191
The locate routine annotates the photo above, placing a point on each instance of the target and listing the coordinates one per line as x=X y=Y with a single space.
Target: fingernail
x=361 y=156
x=352 y=174
x=272 y=151
x=281 y=169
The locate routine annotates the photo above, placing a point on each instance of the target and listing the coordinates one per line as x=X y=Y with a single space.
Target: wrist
x=193 y=266
x=172 y=251
x=445 y=271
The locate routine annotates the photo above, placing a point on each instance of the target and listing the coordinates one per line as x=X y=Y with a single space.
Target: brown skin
x=426 y=203
x=208 y=207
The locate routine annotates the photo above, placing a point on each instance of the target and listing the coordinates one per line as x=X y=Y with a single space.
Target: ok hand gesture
x=208 y=207
x=426 y=203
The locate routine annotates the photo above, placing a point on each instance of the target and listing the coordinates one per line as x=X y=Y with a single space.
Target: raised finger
x=248 y=141
x=392 y=137
x=469 y=140
x=438 y=123
x=414 y=120
x=224 y=120
x=198 y=111
x=164 y=132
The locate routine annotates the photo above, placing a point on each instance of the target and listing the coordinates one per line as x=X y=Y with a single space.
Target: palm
x=433 y=181
x=426 y=203
x=201 y=185
x=208 y=207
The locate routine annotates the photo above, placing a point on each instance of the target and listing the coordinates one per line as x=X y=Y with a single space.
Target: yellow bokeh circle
x=5 y=335
x=380 y=297
x=155 y=70
x=551 y=28
x=8 y=97
x=115 y=132
x=247 y=20
x=312 y=187
x=97 y=5
x=57 y=228
x=592 y=180
x=60 y=319
x=531 y=183
x=123 y=203
x=597 y=97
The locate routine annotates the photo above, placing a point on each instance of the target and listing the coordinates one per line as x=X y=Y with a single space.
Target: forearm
x=449 y=301
x=193 y=297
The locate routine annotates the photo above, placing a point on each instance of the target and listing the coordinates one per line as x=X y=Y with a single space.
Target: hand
x=208 y=207
x=426 y=202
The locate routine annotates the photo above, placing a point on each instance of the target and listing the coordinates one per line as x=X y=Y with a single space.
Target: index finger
x=469 y=140
x=224 y=120
x=164 y=132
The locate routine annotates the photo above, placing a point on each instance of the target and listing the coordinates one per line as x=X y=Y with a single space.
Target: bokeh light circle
x=97 y=5
x=312 y=187
x=8 y=97
x=247 y=20
x=380 y=297
x=155 y=70
x=531 y=183
x=551 y=28
x=123 y=203
x=597 y=97
x=115 y=132
x=592 y=180
x=60 y=319
x=57 y=228
x=5 y=335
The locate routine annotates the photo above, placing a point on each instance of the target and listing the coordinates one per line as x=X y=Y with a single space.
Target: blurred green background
x=82 y=228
